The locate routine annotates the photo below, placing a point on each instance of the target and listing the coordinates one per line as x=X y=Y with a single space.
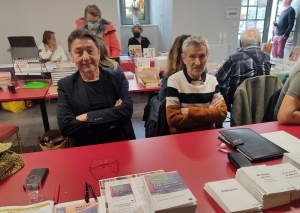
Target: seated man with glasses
x=193 y=99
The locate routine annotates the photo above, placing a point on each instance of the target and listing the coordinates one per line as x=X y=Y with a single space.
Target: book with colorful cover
x=135 y=51
x=149 y=52
x=103 y=181
x=150 y=193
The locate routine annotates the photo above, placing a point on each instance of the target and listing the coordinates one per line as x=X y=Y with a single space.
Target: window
x=252 y=15
x=126 y=14
x=295 y=5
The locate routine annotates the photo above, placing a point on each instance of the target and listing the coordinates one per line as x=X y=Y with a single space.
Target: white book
x=293 y=158
x=290 y=174
x=285 y=140
x=149 y=52
x=266 y=179
x=162 y=192
x=232 y=196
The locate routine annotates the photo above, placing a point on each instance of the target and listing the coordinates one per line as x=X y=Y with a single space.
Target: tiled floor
x=31 y=125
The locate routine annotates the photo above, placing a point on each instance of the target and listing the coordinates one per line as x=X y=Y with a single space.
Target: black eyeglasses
x=104 y=169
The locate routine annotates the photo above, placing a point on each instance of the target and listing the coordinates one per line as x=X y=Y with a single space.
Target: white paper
x=285 y=140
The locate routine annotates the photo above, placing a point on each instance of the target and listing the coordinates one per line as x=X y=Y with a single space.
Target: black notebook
x=254 y=146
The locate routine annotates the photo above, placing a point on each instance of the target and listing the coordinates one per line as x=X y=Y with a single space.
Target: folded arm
x=208 y=115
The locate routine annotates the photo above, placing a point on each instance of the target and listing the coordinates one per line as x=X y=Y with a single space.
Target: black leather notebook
x=251 y=144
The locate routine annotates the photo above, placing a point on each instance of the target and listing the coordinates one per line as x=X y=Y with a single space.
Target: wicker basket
x=52 y=134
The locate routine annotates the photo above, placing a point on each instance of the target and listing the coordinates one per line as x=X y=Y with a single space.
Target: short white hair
x=195 y=41
x=250 y=36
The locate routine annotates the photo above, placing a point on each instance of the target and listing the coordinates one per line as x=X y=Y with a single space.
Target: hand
x=215 y=103
x=82 y=117
x=118 y=102
x=52 y=48
x=184 y=111
x=58 y=60
x=274 y=24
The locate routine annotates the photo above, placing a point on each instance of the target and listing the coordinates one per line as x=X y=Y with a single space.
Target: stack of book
x=269 y=188
x=290 y=174
x=149 y=81
x=160 y=192
x=232 y=196
x=61 y=72
x=293 y=158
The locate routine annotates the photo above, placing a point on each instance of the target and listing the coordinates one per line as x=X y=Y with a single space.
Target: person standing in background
x=283 y=28
x=98 y=26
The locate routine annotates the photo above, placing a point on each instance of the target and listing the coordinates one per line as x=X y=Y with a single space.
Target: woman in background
x=137 y=38
x=105 y=62
x=51 y=51
x=174 y=65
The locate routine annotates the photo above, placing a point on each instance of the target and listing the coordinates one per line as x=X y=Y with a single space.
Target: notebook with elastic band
x=251 y=144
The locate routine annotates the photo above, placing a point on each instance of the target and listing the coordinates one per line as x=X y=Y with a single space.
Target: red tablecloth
x=129 y=66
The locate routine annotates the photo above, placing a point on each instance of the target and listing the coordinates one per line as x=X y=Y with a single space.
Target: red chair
x=6 y=131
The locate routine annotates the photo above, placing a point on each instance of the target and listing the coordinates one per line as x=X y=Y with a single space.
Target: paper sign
x=232 y=12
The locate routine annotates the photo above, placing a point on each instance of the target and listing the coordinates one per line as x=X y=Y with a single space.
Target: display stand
x=26 y=59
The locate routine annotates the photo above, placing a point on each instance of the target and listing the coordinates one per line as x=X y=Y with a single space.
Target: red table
x=193 y=155
x=29 y=94
x=129 y=65
x=136 y=86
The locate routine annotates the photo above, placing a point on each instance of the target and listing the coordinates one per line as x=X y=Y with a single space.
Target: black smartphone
x=42 y=172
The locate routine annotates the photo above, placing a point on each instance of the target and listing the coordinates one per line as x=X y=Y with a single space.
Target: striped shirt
x=184 y=92
x=239 y=66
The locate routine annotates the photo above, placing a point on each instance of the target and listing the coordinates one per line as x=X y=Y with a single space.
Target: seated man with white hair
x=248 y=62
x=193 y=99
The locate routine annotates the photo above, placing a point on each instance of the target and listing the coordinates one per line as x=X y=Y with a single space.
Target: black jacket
x=73 y=101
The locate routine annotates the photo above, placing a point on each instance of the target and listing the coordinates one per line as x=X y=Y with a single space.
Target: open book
x=151 y=193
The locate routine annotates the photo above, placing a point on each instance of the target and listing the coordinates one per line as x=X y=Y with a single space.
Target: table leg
x=44 y=115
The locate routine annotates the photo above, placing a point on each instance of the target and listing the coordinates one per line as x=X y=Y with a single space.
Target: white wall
x=149 y=31
x=205 y=18
x=33 y=17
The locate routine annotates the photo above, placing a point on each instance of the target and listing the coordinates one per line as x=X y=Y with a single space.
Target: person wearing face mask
x=51 y=51
x=98 y=26
x=137 y=38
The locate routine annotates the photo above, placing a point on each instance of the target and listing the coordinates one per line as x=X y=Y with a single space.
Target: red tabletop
x=24 y=94
x=129 y=65
x=193 y=155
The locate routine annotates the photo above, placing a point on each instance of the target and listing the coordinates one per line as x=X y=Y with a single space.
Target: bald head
x=250 y=36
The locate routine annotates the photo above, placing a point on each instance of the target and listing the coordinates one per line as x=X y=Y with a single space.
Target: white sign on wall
x=232 y=12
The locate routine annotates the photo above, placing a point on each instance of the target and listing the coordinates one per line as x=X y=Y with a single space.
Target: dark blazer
x=73 y=101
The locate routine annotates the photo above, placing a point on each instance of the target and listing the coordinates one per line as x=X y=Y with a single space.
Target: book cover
x=232 y=196
x=168 y=190
x=149 y=52
x=135 y=51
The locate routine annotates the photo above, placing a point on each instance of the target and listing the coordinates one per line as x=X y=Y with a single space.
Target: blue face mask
x=93 y=25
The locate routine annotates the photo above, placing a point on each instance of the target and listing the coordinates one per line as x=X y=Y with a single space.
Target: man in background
x=283 y=28
x=248 y=62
